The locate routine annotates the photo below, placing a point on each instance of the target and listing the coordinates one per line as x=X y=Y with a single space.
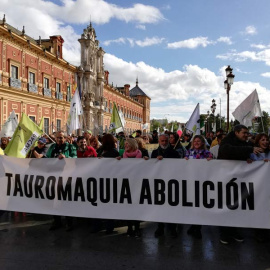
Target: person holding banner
x=175 y=143
x=61 y=150
x=165 y=151
x=132 y=151
x=107 y=150
x=83 y=150
x=141 y=145
x=197 y=151
x=40 y=150
x=235 y=147
x=262 y=141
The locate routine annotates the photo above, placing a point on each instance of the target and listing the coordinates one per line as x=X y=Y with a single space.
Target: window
x=33 y=118
x=32 y=77
x=68 y=93
x=46 y=125
x=14 y=72
x=46 y=83
x=58 y=87
x=58 y=124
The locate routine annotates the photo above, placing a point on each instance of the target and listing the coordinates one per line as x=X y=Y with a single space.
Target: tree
x=154 y=125
x=264 y=122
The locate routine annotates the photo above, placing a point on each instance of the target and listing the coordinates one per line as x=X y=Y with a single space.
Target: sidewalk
x=26 y=243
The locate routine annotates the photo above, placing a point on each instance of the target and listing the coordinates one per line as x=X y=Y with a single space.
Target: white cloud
x=141 y=43
x=120 y=40
x=262 y=56
x=259 y=46
x=226 y=40
x=140 y=26
x=266 y=74
x=79 y=11
x=149 y=41
x=240 y=71
x=250 y=30
x=194 y=43
x=191 y=43
x=177 y=92
x=166 y=7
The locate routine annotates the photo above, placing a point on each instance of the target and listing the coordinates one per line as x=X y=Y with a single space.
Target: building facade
x=98 y=94
x=34 y=78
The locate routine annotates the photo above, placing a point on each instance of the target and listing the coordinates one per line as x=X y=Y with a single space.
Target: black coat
x=166 y=153
x=234 y=149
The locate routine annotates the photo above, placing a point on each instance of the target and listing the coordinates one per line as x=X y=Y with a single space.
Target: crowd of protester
x=238 y=144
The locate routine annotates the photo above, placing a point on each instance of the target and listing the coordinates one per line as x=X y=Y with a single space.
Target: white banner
x=216 y=192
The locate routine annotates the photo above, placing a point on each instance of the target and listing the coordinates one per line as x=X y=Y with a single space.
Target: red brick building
x=35 y=79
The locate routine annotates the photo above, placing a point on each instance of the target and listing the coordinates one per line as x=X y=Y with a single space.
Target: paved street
x=26 y=243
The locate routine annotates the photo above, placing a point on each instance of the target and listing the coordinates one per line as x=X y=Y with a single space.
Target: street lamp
x=227 y=85
x=213 y=109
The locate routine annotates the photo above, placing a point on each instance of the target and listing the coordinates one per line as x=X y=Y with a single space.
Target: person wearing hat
x=40 y=150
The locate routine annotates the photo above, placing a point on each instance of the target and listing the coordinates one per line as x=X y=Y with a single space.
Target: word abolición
x=208 y=194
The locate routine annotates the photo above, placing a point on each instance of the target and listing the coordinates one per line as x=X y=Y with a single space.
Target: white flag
x=172 y=127
x=10 y=126
x=193 y=123
x=122 y=118
x=214 y=127
x=248 y=109
x=74 y=112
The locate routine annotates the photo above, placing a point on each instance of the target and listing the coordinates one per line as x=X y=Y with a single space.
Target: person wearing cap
x=40 y=150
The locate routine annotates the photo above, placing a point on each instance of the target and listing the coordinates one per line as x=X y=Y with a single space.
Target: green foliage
x=264 y=122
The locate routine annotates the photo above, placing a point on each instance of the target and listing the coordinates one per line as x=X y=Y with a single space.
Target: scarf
x=135 y=154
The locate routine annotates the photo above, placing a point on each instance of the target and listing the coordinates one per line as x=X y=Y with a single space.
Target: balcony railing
x=47 y=92
x=68 y=97
x=59 y=95
x=15 y=83
x=32 y=88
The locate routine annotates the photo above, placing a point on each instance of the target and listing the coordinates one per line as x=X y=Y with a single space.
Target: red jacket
x=89 y=152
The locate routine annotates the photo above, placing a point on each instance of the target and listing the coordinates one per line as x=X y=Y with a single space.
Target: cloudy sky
x=178 y=49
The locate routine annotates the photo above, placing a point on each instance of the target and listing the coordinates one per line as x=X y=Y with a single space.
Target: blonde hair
x=202 y=140
x=133 y=144
x=141 y=143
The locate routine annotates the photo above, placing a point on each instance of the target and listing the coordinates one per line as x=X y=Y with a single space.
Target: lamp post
x=208 y=125
x=213 y=109
x=227 y=85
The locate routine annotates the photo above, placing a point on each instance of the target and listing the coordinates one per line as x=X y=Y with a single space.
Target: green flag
x=24 y=137
x=116 y=123
x=41 y=123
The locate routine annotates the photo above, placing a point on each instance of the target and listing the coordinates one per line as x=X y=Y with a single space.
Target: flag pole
x=261 y=114
x=179 y=138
